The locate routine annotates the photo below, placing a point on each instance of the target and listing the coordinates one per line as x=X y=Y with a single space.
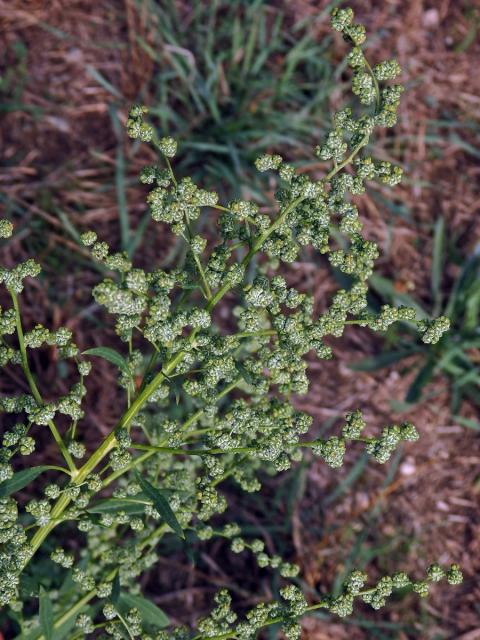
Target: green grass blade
x=467 y=422
x=386 y=289
x=382 y=360
x=422 y=379
x=438 y=259
x=120 y=181
x=103 y=82
x=349 y=479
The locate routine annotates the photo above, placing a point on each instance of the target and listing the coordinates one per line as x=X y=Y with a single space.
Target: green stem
x=152 y=362
x=267 y=623
x=348 y=160
x=203 y=277
x=149 y=453
x=254 y=334
x=191 y=452
x=78 y=606
x=364 y=141
x=108 y=444
x=170 y=170
x=255 y=248
x=124 y=622
x=33 y=386
x=110 y=441
x=220 y=208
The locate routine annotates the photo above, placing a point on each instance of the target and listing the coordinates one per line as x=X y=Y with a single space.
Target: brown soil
x=429 y=510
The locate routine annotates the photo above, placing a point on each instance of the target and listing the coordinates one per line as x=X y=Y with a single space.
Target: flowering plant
x=154 y=476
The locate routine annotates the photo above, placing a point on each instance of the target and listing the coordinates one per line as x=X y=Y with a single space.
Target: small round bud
x=168 y=146
x=52 y=491
x=357 y=33
x=88 y=238
x=387 y=70
x=421 y=588
x=237 y=545
x=409 y=432
x=77 y=449
x=100 y=250
x=341 y=18
x=454 y=575
x=6 y=228
x=27 y=445
x=400 y=580
x=109 y=611
x=435 y=572
x=267 y=162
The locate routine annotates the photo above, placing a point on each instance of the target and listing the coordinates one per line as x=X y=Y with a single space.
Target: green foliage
x=234 y=79
x=45 y=614
x=154 y=474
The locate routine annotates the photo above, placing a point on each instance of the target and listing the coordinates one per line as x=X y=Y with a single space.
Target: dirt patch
x=61 y=147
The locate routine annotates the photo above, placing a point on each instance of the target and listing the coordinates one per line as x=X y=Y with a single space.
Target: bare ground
x=429 y=508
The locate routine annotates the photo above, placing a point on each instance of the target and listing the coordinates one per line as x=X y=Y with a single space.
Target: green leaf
x=59 y=633
x=161 y=505
x=111 y=355
x=151 y=614
x=245 y=373
x=20 y=480
x=46 y=614
x=115 y=588
x=112 y=505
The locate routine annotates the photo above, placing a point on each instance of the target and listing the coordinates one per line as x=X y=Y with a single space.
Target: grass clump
x=454 y=356
x=153 y=477
x=235 y=79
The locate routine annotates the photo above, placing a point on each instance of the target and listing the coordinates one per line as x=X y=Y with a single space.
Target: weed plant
x=153 y=477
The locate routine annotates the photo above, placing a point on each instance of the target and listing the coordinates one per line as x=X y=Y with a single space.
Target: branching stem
x=33 y=385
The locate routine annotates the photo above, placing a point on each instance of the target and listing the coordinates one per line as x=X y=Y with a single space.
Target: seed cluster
x=206 y=400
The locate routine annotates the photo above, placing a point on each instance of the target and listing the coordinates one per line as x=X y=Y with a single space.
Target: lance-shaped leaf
x=21 y=479
x=161 y=505
x=111 y=356
x=151 y=614
x=46 y=614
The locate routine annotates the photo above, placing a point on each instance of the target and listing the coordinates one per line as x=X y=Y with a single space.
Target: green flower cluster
x=377 y=596
x=13 y=278
x=381 y=448
x=181 y=432
x=287 y=569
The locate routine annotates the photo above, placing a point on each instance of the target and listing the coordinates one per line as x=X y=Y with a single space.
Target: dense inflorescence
x=157 y=473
